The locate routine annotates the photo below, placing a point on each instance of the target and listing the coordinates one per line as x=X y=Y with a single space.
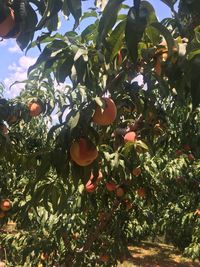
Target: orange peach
x=120 y=192
x=197 y=212
x=130 y=137
x=137 y=171
x=111 y=186
x=90 y=187
x=83 y=152
x=35 y=109
x=108 y=115
x=104 y=258
x=8 y=24
x=141 y=192
x=128 y=204
x=186 y=147
x=191 y=156
x=5 y=204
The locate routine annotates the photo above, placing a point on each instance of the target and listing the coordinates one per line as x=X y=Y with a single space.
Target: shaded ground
x=157 y=255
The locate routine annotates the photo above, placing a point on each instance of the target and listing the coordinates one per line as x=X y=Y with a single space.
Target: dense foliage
x=81 y=188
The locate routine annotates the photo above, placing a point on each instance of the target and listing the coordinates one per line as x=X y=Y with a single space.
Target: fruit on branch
x=179 y=152
x=43 y=256
x=186 y=147
x=197 y=212
x=161 y=55
x=141 y=192
x=35 y=108
x=107 y=115
x=90 y=187
x=104 y=258
x=128 y=204
x=91 y=184
x=191 y=157
x=75 y=236
x=5 y=205
x=137 y=171
x=2 y=264
x=7 y=25
x=120 y=192
x=111 y=186
x=83 y=152
x=130 y=137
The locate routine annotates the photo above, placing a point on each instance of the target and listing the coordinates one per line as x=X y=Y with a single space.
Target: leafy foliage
x=59 y=221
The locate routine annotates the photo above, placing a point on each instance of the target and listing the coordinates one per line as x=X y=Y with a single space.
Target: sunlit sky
x=14 y=63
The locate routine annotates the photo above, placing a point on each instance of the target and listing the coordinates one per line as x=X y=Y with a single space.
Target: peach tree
x=101 y=147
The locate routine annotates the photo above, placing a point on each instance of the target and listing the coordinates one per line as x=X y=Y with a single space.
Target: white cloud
x=14 y=49
x=17 y=72
x=3 y=42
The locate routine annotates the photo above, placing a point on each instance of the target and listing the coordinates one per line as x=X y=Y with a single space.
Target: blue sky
x=14 y=63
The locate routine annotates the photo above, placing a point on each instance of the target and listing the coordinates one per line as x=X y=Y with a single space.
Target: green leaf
x=64 y=69
x=75 y=8
x=108 y=20
x=166 y=34
x=73 y=122
x=115 y=41
x=135 y=28
x=29 y=26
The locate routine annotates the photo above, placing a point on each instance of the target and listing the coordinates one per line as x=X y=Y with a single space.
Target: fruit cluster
x=5 y=206
x=35 y=108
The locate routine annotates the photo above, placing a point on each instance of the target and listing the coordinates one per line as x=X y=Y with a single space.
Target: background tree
x=122 y=164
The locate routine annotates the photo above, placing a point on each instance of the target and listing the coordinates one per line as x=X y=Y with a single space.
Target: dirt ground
x=157 y=255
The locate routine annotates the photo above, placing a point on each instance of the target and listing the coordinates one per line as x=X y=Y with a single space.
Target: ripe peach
x=197 y=212
x=2 y=264
x=128 y=204
x=43 y=256
x=137 y=171
x=159 y=59
x=120 y=192
x=141 y=192
x=191 y=157
x=186 y=147
x=90 y=187
x=35 y=109
x=8 y=24
x=75 y=236
x=83 y=152
x=161 y=56
x=179 y=152
x=108 y=115
x=104 y=258
x=5 y=204
x=111 y=186
x=130 y=137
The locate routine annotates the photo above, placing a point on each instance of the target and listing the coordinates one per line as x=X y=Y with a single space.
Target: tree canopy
x=122 y=163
